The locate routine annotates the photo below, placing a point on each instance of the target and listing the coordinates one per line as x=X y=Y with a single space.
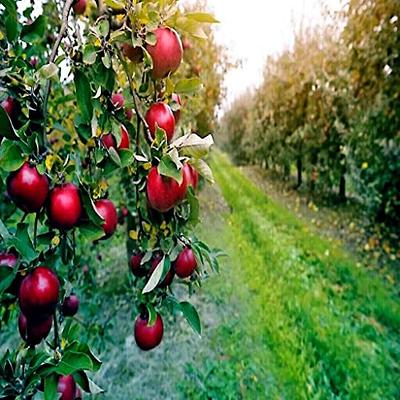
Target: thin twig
x=64 y=25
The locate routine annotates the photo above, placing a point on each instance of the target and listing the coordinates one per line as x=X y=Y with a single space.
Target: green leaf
x=22 y=242
x=106 y=60
x=167 y=167
x=89 y=54
x=4 y=231
x=7 y=276
x=50 y=387
x=6 y=127
x=34 y=31
x=11 y=157
x=202 y=17
x=203 y=169
x=191 y=315
x=188 y=86
x=114 y=156
x=115 y=4
x=73 y=361
x=126 y=156
x=91 y=231
x=151 y=38
x=193 y=145
x=12 y=27
x=194 y=207
x=103 y=27
x=152 y=314
x=90 y=208
x=155 y=277
x=83 y=96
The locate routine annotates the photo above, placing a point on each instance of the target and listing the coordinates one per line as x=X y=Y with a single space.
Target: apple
x=147 y=337
x=8 y=260
x=129 y=113
x=123 y=214
x=118 y=100
x=38 y=293
x=160 y=114
x=134 y=263
x=110 y=141
x=33 y=331
x=177 y=114
x=70 y=305
x=79 y=7
x=9 y=105
x=27 y=188
x=65 y=207
x=166 y=53
x=186 y=263
x=107 y=210
x=164 y=193
x=134 y=54
x=186 y=44
x=192 y=176
x=67 y=387
x=33 y=61
x=170 y=274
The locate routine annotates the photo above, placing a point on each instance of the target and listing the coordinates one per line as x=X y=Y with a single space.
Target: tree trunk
x=342 y=188
x=299 y=164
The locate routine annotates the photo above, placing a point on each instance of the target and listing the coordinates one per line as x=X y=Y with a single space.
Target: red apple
x=129 y=113
x=166 y=53
x=27 y=188
x=8 y=260
x=192 y=176
x=9 y=105
x=135 y=54
x=147 y=337
x=67 y=387
x=118 y=100
x=164 y=193
x=177 y=114
x=186 y=263
x=134 y=263
x=65 y=207
x=110 y=141
x=79 y=7
x=70 y=305
x=107 y=210
x=160 y=114
x=38 y=293
x=33 y=331
x=168 y=278
x=33 y=61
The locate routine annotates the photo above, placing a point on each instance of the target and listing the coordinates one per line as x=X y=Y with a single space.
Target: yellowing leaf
x=133 y=234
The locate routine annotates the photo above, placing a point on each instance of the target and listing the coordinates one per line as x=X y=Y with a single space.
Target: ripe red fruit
x=168 y=278
x=166 y=53
x=27 y=188
x=9 y=105
x=65 y=206
x=192 y=176
x=177 y=114
x=110 y=141
x=70 y=305
x=33 y=61
x=38 y=293
x=8 y=260
x=34 y=331
x=129 y=113
x=107 y=210
x=163 y=192
x=79 y=7
x=160 y=114
x=118 y=100
x=67 y=387
x=134 y=263
x=147 y=337
x=135 y=54
x=186 y=263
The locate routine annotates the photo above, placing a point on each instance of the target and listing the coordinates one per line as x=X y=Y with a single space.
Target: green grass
x=301 y=320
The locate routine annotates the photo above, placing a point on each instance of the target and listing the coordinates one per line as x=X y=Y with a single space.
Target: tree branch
x=64 y=25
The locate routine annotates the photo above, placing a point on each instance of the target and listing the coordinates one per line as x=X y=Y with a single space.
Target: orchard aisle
x=290 y=316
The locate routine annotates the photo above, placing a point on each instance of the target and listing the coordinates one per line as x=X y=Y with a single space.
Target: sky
x=253 y=29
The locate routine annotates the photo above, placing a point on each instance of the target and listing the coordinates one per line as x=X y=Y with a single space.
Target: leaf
x=191 y=315
x=203 y=169
x=202 y=17
x=193 y=145
x=89 y=54
x=151 y=38
x=50 y=387
x=83 y=96
x=155 y=277
x=11 y=157
x=106 y=60
x=48 y=71
x=126 y=156
x=114 y=156
x=22 y=242
x=194 y=207
x=103 y=27
x=73 y=361
x=167 y=167
x=12 y=27
x=115 y=4
x=188 y=86
x=34 y=31
x=152 y=314
x=7 y=276
x=91 y=231
x=90 y=208
x=6 y=127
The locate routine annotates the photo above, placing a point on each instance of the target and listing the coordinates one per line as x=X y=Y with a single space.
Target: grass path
x=301 y=320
